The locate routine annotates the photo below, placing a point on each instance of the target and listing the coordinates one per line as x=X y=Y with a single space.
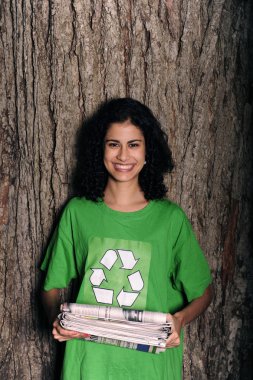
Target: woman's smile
x=123 y=167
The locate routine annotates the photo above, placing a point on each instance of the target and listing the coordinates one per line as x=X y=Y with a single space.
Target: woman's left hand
x=174 y=338
x=186 y=315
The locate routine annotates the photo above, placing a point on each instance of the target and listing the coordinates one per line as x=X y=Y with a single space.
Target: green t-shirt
x=147 y=259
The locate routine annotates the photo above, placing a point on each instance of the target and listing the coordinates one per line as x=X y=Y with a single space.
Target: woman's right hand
x=63 y=335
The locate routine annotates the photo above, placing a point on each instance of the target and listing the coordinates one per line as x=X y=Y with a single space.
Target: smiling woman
x=121 y=210
x=93 y=144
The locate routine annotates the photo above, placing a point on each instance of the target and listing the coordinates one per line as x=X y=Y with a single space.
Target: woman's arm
x=188 y=314
x=51 y=303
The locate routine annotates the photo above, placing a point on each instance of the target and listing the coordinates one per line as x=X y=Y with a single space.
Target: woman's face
x=124 y=152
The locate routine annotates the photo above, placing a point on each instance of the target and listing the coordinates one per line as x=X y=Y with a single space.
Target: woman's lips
x=123 y=167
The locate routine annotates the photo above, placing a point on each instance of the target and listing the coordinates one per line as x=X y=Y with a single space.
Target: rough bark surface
x=189 y=61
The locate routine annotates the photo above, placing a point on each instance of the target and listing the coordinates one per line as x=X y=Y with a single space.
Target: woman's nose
x=122 y=153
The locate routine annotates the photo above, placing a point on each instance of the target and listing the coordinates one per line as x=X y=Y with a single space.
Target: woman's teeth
x=123 y=167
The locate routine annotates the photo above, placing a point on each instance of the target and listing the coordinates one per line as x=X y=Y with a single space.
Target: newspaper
x=136 y=329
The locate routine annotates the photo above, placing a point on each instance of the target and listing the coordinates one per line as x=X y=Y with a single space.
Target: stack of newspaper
x=140 y=330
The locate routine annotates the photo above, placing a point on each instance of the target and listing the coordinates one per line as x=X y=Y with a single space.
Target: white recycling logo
x=97 y=277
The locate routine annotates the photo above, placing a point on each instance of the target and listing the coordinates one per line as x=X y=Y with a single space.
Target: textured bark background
x=189 y=61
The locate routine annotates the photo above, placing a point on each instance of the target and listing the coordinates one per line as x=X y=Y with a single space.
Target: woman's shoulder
x=167 y=205
x=77 y=203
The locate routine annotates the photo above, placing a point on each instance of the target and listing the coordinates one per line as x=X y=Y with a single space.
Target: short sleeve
x=192 y=274
x=59 y=261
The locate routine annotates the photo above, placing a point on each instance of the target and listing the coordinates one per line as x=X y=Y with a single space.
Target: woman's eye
x=113 y=145
x=133 y=145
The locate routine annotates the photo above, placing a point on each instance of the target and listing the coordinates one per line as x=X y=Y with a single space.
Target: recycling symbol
x=97 y=277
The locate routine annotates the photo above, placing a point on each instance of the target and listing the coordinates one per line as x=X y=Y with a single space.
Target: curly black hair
x=90 y=175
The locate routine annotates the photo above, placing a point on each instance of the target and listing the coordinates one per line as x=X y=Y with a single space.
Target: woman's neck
x=124 y=196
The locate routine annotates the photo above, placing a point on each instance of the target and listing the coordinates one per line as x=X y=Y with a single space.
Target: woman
x=122 y=158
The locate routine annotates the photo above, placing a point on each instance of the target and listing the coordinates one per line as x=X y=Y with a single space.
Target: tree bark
x=189 y=61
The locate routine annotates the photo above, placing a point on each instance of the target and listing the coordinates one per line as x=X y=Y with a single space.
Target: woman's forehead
x=124 y=130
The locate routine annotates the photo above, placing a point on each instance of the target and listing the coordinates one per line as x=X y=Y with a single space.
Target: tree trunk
x=189 y=61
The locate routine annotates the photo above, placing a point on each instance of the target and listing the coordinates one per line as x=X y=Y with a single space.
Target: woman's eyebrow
x=130 y=141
